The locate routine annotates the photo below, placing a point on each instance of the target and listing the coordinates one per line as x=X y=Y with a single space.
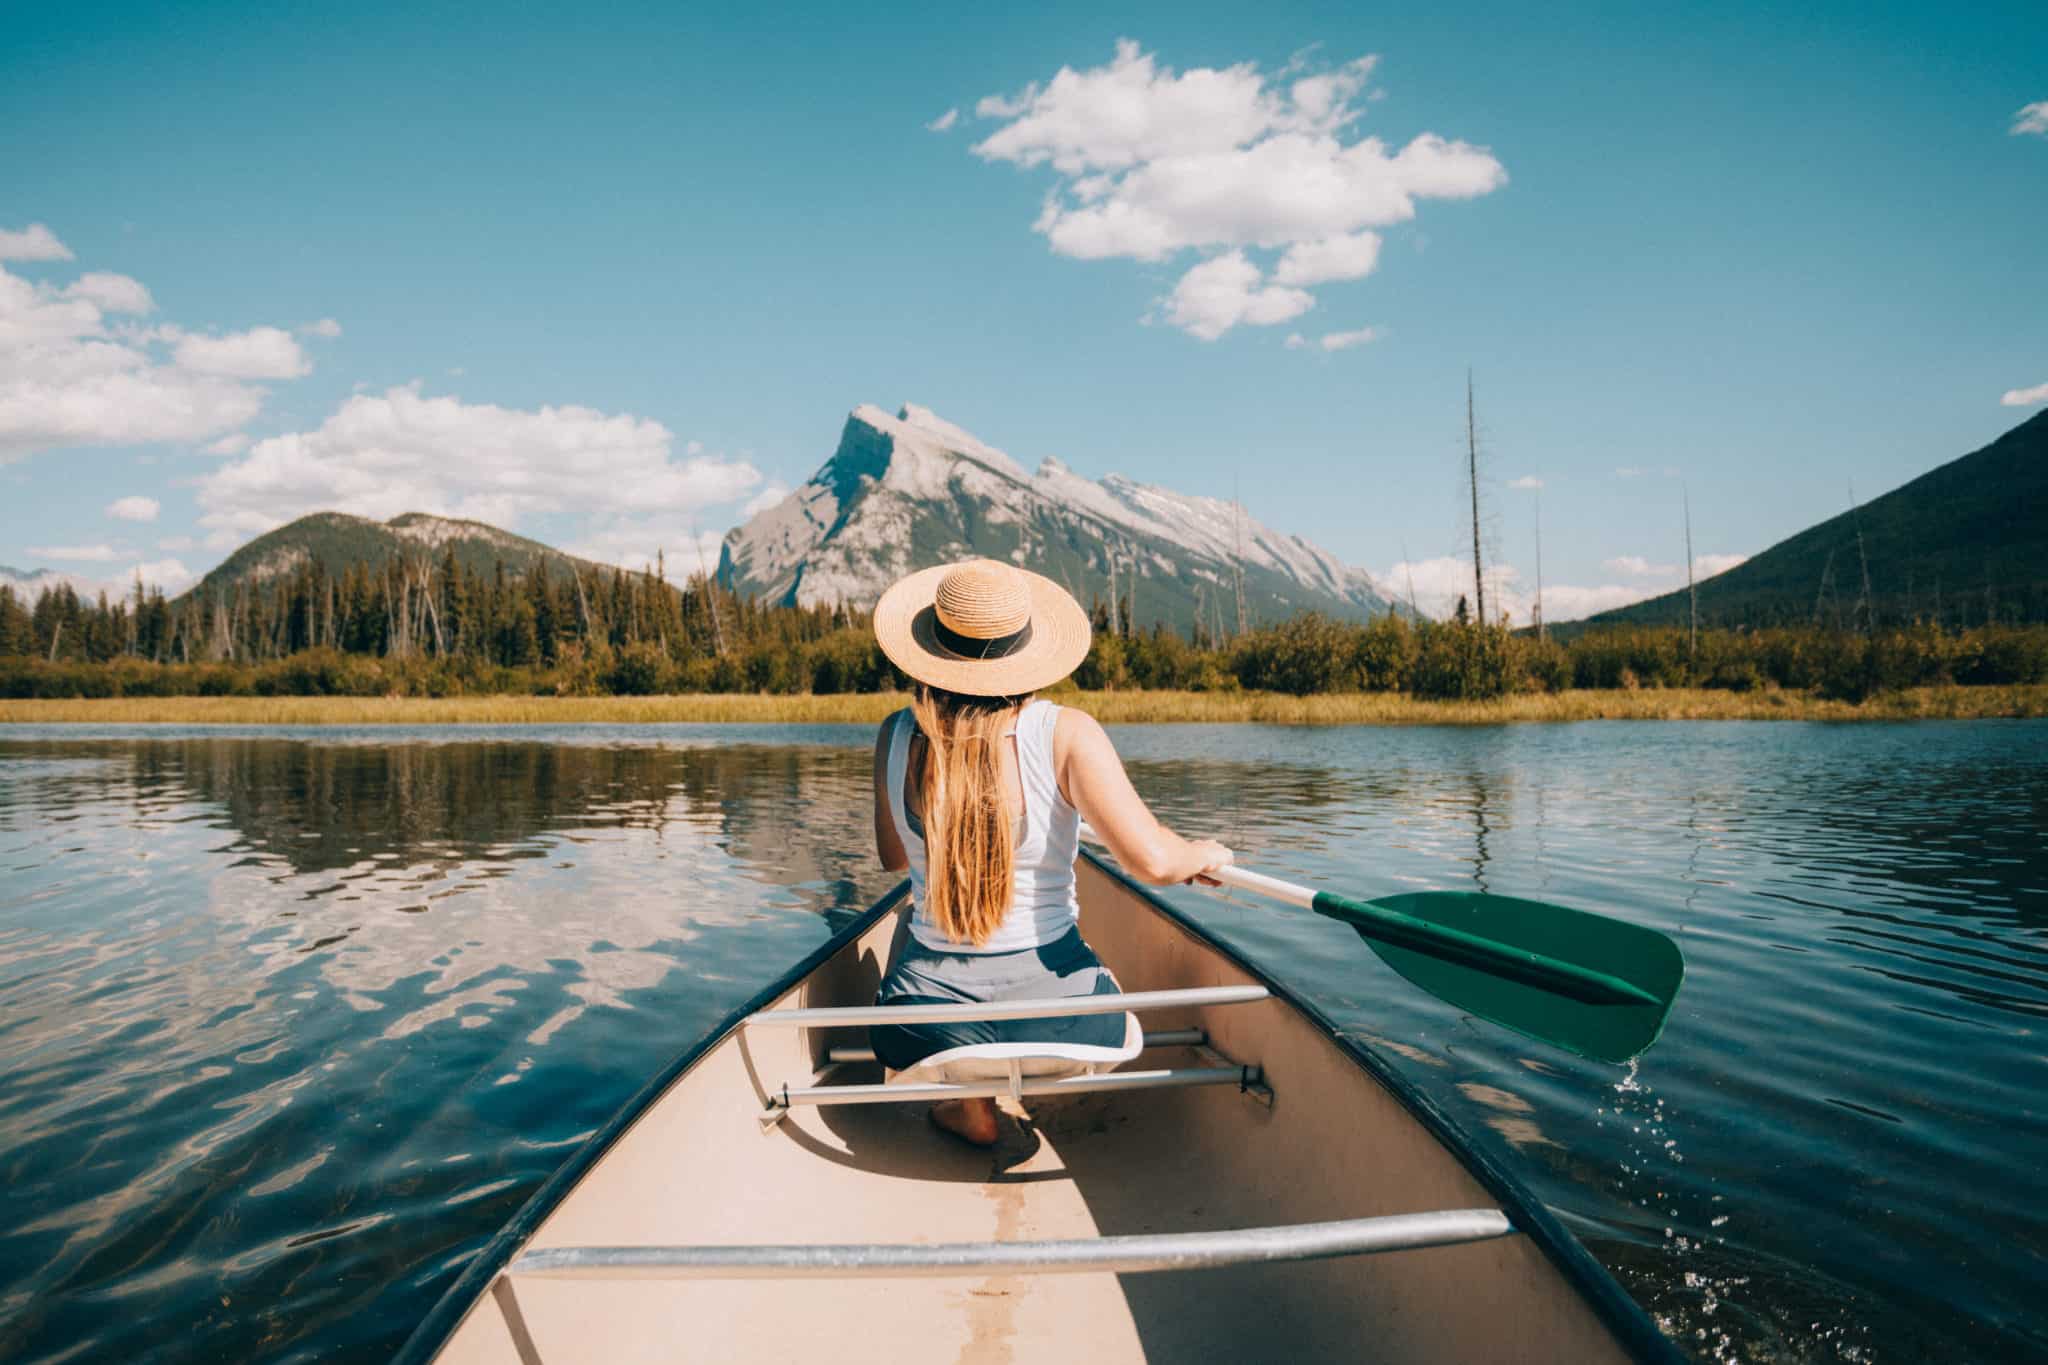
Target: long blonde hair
x=970 y=844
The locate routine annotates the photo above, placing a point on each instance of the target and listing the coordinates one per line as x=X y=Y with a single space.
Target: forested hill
x=1963 y=545
x=337 y=542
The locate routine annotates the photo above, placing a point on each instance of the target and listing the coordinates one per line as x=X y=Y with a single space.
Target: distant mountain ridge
x=28 y=583
x=908 y=491
x=337 y=541
x=1961 y=544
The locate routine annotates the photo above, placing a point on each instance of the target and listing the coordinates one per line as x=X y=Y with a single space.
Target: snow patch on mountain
x=905 y=491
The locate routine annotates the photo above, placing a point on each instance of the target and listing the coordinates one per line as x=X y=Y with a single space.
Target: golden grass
x=1370 y=708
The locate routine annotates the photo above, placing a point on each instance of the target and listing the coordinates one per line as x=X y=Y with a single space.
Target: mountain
x=337 y=540
x=1969 y=539
x=913 y=490
x=29 y=584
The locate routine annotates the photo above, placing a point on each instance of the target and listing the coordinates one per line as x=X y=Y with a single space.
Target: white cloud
x=2025 y=398
x=2032 y=118
x=1220 y=293
x=1629 y=472
x=1295 y=341
x=1527 y=481
x=1637 y=567
x=943 y=121
x=71 y=377
x=1153 y=162
x=110 y=293
x=259 y=353
x=169 y=574
x=234 y=443
x=636 y=542
x=135 y=508
x=32 y=243
x=1568 y=602
x=763 y=500
x=379 y=455
x=1706 y=566
x=1344 y=341
x=1333 y=258
x=1440 y=581
x=325 y=327
x=89 y=554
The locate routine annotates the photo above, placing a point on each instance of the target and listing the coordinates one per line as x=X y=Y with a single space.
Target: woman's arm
x=1093 y=779
x=888 y=843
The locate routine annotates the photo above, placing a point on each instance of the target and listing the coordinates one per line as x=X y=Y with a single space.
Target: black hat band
x=970 y=647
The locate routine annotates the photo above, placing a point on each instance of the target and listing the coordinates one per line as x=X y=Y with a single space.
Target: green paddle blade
x=1590 y=984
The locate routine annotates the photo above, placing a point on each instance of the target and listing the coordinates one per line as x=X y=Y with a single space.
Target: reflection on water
x=1835 y=1150
x=287 y=1028
x=289 y=1024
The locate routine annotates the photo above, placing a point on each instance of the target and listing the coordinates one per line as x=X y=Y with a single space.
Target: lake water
x=292 y=1021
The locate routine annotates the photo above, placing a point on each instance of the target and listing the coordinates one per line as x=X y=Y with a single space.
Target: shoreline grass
x=1116 y=708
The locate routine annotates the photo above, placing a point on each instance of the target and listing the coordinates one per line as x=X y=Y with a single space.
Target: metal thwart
x=790 y=1095
x=869 y=1015
x=1221 y=1071
x=1098 y=1255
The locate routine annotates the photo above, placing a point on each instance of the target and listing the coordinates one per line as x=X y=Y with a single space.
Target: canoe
x=1255 y=1185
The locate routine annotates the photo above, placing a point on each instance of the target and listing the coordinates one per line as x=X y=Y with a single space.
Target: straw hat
x=982 y=629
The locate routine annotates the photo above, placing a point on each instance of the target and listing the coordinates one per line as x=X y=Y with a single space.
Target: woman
x=980 y=791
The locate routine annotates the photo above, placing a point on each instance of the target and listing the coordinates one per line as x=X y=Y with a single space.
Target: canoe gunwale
x=1638 y=1335
x=476 y=1278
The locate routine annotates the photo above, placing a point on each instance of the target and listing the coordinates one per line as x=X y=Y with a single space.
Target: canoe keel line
x=1267 y=1188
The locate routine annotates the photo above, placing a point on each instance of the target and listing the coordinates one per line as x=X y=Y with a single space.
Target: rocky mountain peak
x=907 y=491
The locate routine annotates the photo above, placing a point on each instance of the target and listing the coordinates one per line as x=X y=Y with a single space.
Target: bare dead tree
x=1864 y=605
x=1692 y=646
x=1113 y=629
x=582 y=600
x=1237 y=557
x=710 y=594
x=433 y=614
x=1131 y=607
x=1827 y=585
x=1472 y=473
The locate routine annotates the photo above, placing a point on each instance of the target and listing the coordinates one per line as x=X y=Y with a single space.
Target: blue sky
x=608 y=274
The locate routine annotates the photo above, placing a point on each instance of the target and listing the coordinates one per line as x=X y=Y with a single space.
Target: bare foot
x=969 y=1120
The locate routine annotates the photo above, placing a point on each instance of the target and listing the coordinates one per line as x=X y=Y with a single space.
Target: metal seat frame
x=1220 y=1071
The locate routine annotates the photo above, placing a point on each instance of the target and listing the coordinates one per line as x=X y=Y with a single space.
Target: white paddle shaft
x=1243 y=878
x=1247 y=880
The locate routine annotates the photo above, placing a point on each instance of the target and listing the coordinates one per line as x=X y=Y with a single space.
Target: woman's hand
x=1214 y=857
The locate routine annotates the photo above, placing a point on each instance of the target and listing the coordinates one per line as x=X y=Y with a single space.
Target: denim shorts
x=923 y=975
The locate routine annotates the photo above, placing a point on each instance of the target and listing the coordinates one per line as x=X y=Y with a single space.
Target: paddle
x=1587 y=983
x=1590 y=984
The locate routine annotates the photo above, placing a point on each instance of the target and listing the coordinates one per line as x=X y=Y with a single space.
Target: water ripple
x=289 y=1024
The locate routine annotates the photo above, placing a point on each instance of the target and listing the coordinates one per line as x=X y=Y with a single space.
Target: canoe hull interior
x=1335 y=1142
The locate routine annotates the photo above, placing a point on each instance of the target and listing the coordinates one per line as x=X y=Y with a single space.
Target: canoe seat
x=1016 y=1069
x=1013 y=1062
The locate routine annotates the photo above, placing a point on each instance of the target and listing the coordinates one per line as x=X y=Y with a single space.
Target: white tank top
x=1043 y=906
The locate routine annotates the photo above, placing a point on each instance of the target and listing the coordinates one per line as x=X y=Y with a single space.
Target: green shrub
x=1385 y=654
x=639 y=670
x=1464 y=662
